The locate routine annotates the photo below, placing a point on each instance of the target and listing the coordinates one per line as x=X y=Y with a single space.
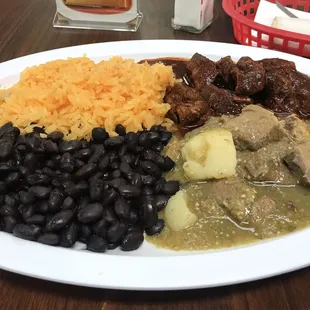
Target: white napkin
x=265 y=15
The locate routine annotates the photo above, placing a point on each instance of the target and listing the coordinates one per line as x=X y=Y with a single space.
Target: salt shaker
x=192 y=15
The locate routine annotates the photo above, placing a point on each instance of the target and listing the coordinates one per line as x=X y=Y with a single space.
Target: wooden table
x=25 y=28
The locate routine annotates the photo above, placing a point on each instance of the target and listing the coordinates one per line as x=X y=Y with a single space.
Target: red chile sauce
x=178 y=64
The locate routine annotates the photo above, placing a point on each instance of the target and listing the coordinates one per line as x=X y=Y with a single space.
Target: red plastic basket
x=243 y=13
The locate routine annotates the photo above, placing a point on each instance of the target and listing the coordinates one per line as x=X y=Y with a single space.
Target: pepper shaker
x=192 y=15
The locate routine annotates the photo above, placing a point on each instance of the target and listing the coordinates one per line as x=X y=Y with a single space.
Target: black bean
x=148 y=212
x=125 y=168
x=36 y=219
x=2 y=187
x=96 y=189
x=49 y=239
x=132 y=241
x=28 y=232
x=2 y=198
x=131 y=137
x=122 y=208
x=66 y=184
x=51 y=164
x=91 y=213
x=116 y=231
x=35 y=143
x=84 y=233
x=99 y=135
x=116 y=183
x=149 y=155
x=120 y=129
x=157 y=147
x=160 y=161
x=148 y=180
x=144 y=139
x=42 y=207
x=122 y=151
x=10 y=200
x=67 y=163
x=26 y=210
x=114 y=164
x=154 y=128
x=82 y=202
x=113 y=246
x=5 y=169
x=6 y=149
x=113 y=154
x=114 y=141
x=50 y=146
x=129 y=191
x=137 y=149
x=106 y=176
x=60 y=220
x=95 y=176
x=5 y=128
x=170 y=188
x=133 y=216
x=69 y=235
x=8 y=223
x=104 y=163
x=110 y=216
x=96 y=244
x=31 y=162
x=109 y=196
x=70 y=146
x=128 y=158
x=116 y=174
x=136 y=180
x=84 y=144
x=99 y=151
x=8 y=210
x=159 y=184
x=21 y=140
x=55 y=200
x=148 y=191
x=155 y=229
x=38 y=179
x=83 y=154
x=78 y=164
x=161 y=202
x=100 y=228
x=17 y=157
x=151 y=169
x=55 y=136
x=135 y=228
x=77 y=190
x=68 y=204
x=41 y=192
x=86 y=171
x=168 y=165
x=65 y=176
x=48 y=171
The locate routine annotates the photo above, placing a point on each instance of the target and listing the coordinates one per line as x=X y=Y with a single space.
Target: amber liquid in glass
x=99 y=7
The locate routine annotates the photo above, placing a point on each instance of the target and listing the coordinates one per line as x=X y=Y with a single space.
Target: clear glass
x=192 y=15
x=100 y=18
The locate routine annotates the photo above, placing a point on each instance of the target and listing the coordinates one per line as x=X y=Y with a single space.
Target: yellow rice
x=76 y=95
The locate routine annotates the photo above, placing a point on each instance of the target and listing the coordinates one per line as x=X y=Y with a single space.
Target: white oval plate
x=151 y=268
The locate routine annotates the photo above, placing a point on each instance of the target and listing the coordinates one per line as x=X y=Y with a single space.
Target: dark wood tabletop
x=25 y=28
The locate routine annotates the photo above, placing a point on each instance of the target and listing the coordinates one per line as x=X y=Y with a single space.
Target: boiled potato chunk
x=177 y=214
x=210 y=155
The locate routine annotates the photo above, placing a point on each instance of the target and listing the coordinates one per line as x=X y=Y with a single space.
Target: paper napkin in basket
x=265 y=15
